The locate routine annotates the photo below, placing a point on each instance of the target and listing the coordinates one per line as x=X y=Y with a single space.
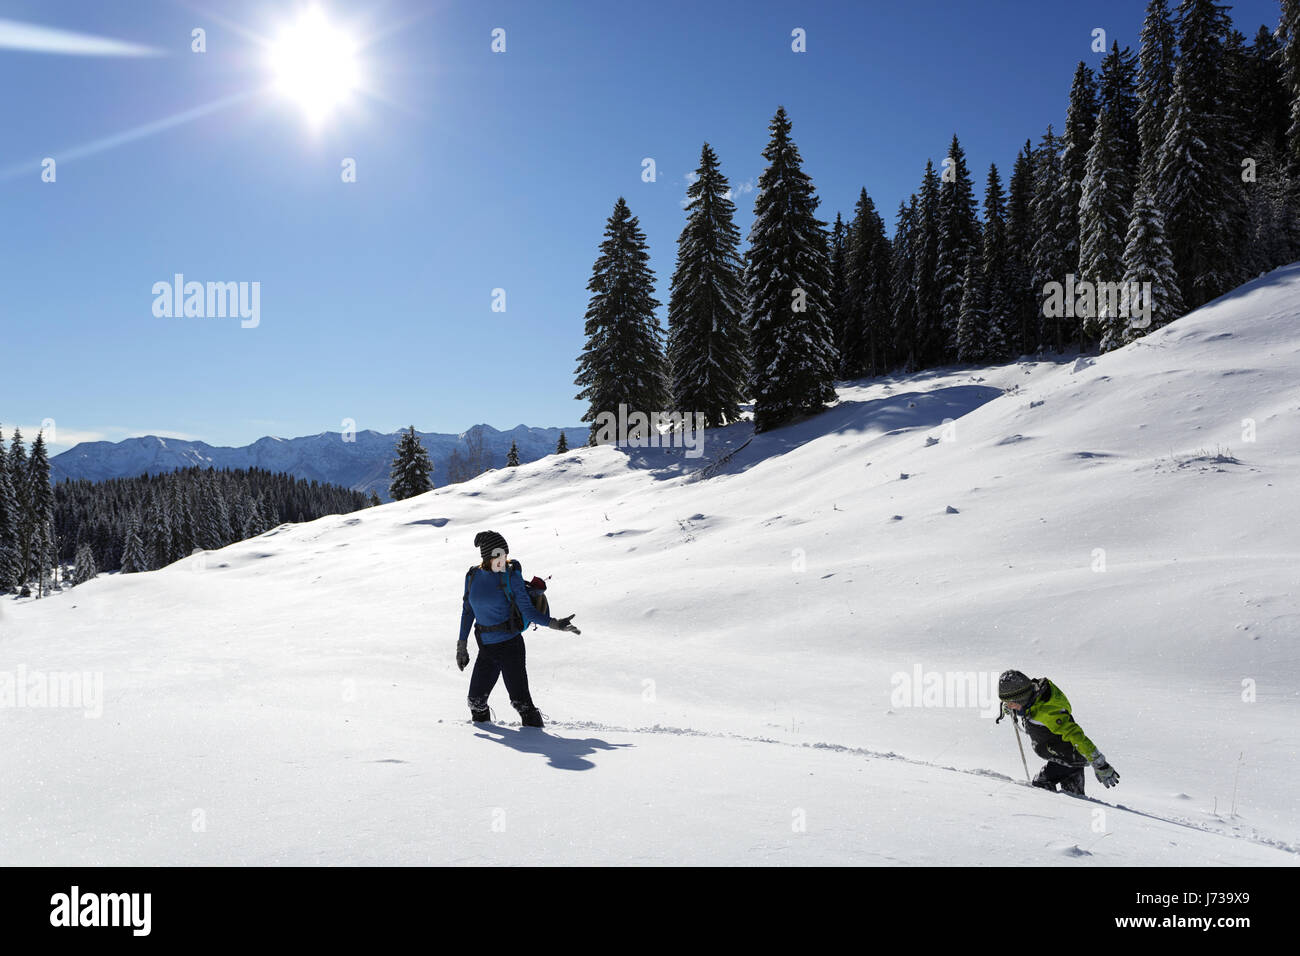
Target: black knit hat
x=488 y=542
x=1016 y=688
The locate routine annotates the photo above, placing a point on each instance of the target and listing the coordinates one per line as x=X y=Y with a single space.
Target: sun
x=315 y=65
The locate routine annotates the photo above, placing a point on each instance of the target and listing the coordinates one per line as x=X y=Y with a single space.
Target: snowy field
x=1127 y=525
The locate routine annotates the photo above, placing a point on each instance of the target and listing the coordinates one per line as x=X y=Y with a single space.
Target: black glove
x=562 y=624
x=462 y=654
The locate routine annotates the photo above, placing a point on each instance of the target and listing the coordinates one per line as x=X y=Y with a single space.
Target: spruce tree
x=1080 y=123
x=132 y=549
x=972 y=319
x=1022 y=302
x=902 y=293
x=623 y=362
x=1288 y=34
x=1196 y=184
x=958 y=241
x=512 y=456
x=706 y=338
x=1155 y=85
x=1048 y=259
x=995 y=275
x=1103 y=219
x=1146 y=259
x=930 y=342
x=865 y=348
x=8 y=525
x=562 y=445
x=25 y=524
x=787 y=290
x=409 y=474
x=83 y=565
x=839 y=297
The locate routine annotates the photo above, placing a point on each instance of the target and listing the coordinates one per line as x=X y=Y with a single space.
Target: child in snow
x=493 y=590
x=1044 y=712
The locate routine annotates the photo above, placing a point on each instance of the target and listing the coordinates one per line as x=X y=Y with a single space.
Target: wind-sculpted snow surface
x=744 y=689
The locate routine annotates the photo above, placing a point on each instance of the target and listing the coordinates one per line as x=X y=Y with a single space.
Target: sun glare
x=314 y=64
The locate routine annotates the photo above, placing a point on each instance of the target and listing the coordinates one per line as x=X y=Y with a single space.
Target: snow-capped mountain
x=362 y=462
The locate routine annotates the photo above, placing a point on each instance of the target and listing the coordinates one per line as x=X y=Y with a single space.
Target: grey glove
x=562 y=624
x=1106 y=774
x=462 y=654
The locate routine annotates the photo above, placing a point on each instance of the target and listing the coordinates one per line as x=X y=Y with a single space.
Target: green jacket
x=1049 y=716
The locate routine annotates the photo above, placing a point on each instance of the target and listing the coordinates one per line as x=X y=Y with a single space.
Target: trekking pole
x=1023 y=762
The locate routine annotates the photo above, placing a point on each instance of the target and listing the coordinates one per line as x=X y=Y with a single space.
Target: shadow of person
x=564 y=753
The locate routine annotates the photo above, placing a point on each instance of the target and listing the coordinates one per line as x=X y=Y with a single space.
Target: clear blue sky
x=475 y=171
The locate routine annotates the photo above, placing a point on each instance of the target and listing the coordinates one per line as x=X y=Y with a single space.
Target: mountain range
x=362 y=462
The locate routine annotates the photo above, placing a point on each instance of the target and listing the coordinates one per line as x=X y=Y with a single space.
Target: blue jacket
x=488 y=603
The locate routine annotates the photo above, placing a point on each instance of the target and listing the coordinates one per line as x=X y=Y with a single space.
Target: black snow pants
x=1064 y=766
x=506 y=660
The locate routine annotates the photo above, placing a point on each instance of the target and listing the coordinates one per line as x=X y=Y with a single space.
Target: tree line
x=1177 y=173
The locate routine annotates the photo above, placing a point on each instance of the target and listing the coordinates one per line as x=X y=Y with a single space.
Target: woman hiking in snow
x=495 y=592
x=1044 y=712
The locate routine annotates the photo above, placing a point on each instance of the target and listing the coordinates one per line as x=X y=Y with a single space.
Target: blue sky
x=475 y=171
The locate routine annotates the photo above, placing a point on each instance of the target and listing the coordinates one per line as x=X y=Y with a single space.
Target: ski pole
x=1022 y=748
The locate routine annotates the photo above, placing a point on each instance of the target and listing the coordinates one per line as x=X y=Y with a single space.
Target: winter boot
x=530 y=715
x=478 y=712
x=1073 y=783
x=1042 y=781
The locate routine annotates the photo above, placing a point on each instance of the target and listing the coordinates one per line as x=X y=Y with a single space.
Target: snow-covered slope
x=1126 y=525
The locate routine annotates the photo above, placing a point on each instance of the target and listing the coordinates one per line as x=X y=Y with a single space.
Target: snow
x=293 y=698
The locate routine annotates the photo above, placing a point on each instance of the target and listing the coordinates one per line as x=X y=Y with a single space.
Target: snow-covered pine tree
x=866 y=346
x=902 y=290
x=959 y=236
x=409 y=474
x=839 y=296
x=133 y=560
x=8 y=525
x=40 y=502
x=1288 y=35
x=158 y=531
x=562 y=445
x=995 y=279
x=1146 y=259
x=25 y=525
x=1047 y=262
x=1103 y=221
x=787 y=290
x=1155 y=86
x=1080 y=123
x=972 y=319
x=1022 y=302
x=929 y=312
x=1196 y=182
x=623 y=362
x=83 y=565
x=512 y=456
x=706 y=337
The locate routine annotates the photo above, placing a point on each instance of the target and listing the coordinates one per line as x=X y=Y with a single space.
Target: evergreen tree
x=902 y=282
x=83 y=565
x=972 y=320
x=1288 y=35
x=41 y=504
x=25 y=524
x=562 y=445
x=1196 y=173
x=409 y=474
x=9 y=567
x=512 y=456
x=1146 y=259
x=158 y=532
x=1022 y=302
x=929 y=337
x=996 y=293
x=787 y=290
x=1048 y=259
x=839 y=296
x=132 y=550
x=1103 y=217
x=958 y=241
x=623 y=362
x=706 y=338
x=1080 y=124
x=866 y=336
x=1155 y=85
